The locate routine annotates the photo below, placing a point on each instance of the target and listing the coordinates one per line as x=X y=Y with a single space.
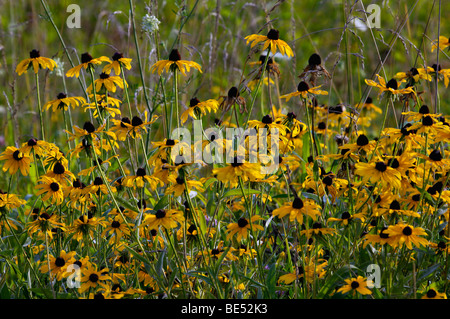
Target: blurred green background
x=213 y=36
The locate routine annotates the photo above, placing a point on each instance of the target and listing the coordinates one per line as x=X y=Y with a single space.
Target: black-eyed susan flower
x=36 y=61
x=268 y=123
x=381 y=237
x=346 y=218
x=270 y=41
x=242 y=227
x=60 y=173
x=89 y=130
x=108 y=82
x=377 y=171
x=179 y=185
x=10 y=201
x=443 y=42
x=313 y=269
x=85 y=225
x=298 y=209
x=141 y=179
x=98 y=186
x=50 y=189
x=62 y=102
x=414 y=75
x=117 y=64
x=43 y=224
x=314 y=69
x=175 y=62
x=354 y=285
x=59 y=264
x=317 y=229
x=391 y=86
x=15 y=160
x=230 y=174
x=138 y=124
x=432 y=293
x=93 y=278
x=106 y=104
x=38 y=147
x=87 y=61
x=120 y=128
x=168 y=219
x=198 y=108
x=303 y=90
x=409 y=235
x=362 y=145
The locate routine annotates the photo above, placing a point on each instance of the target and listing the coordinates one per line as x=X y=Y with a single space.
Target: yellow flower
x=62 y=101
x=297 y=209
x=140 y=179
x=442 y=42
x=59 y=264
x=118 y=62
x=51 y=190
x=166 y=218
x=107 y=81
x=402 y=233
x=354 y=285
x=86 y=62
x=390 y=86
x=271 y=41
x=231 y=173
x=303 y=89
x=175 y=62
x=37 y=61
x=242 y=226
x=197 y=108
x=15 y=160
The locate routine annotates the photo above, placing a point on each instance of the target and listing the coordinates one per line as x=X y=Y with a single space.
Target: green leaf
x=238 y=192
x=163 y=202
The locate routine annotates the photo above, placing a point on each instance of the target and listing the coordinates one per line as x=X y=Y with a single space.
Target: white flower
x=150 y=23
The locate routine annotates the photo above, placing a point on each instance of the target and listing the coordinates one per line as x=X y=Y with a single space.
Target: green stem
x=38 y=96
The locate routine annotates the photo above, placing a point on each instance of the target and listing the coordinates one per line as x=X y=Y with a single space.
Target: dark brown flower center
x=354 y=284
x=170 y=142
x=392 y=84
x=123 y=121
x=98 y=181
x=89 y=127
x=362 y=140
x=54 y=187
x=59 y=168
x=193 y=102
x=345 y=215
x=395 y=205
x=86 y=58
x=380 y=166
x=104 y=76
x=140 y=172
x=136 y=121
x=117 y=56
x=242 y=222
x=267 y=119
x=424 y=109
x=407 y=231
x=314 y=60
x=93 y=278
x=115 y=224
x=427 y=121
x=297 y=203
x=431 y=293
x=59 y=262
x=236 y=161
x=233 y=92
x=302 y=86
x=174 y=55
x=17 y=155
x=436 y=155
x=160 y=213
x=34 y=54
x=273 y=34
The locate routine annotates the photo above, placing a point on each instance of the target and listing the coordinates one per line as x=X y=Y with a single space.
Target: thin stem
x=38 y=96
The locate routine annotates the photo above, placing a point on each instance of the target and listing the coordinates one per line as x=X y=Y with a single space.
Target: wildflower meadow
x=232 y=150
